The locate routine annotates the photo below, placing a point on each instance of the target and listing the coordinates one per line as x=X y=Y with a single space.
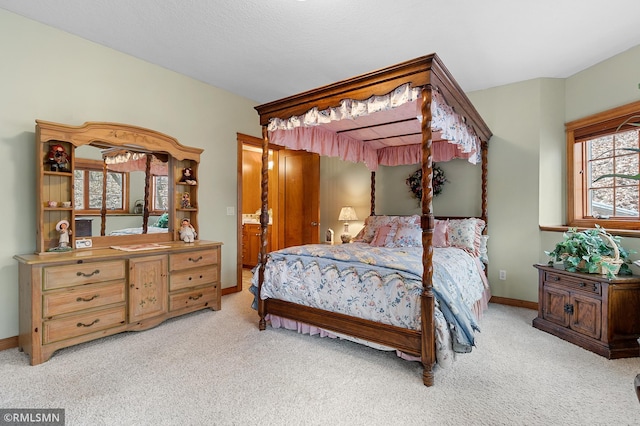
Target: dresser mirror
x=125 y=195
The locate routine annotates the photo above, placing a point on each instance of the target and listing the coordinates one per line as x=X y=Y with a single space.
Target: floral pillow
x=407 y=236
x=484 y=257
x=466 y=234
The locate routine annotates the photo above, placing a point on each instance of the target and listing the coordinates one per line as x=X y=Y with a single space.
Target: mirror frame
x=105 y=134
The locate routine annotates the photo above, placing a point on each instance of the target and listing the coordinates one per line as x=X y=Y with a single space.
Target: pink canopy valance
x=352 y=131
x=128 y=161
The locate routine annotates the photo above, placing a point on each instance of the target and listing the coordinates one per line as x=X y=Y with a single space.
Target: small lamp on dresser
x=347 y=214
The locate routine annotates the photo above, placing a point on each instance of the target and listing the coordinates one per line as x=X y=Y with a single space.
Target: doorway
x=293 y=201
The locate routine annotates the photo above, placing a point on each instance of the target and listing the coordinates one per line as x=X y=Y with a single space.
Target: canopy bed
x=412 y=112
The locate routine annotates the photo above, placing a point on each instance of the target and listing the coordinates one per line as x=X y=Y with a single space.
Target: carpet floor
x=217 y=368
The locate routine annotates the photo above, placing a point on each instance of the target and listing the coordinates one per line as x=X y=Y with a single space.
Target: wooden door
x=299 y=200
x=147 y=287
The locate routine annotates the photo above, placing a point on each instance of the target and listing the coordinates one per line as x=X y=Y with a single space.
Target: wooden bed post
x=264 y=223
x=485 y=212
x=427 y=222
x=373 y=194
x=103 y=208
x=147 y=190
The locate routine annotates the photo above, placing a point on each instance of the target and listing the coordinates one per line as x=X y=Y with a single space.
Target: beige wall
x=51 y=75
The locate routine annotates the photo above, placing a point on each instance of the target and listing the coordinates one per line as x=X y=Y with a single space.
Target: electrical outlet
x=230 y=211
x=503 y=274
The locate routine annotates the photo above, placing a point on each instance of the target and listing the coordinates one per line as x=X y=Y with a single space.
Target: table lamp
x=347 y=214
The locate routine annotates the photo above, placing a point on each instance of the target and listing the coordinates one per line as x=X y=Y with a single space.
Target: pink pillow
x=440 y=233
x=382 y=234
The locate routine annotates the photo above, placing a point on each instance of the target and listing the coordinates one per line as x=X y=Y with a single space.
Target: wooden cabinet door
x=587 y=315
x=251 y=244
x=554 y=301
x=147 y=287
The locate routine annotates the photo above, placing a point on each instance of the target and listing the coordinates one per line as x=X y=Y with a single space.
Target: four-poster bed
x=409 y=113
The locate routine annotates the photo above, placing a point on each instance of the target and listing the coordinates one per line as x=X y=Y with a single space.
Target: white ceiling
x=265 y=50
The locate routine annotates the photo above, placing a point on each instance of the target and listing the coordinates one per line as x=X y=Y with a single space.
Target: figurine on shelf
x=63 y=229
x=58 y=159
x=187 y=176
x=187 y=231
x=186 y=201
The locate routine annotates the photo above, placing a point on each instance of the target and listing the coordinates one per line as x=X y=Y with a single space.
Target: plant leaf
x=616 y=175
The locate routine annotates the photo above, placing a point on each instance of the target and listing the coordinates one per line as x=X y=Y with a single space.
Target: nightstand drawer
x=193 y=259
x=192 y=278
x=83 y=273
x=193 y=298
x=77 y=325
x=82 y=297
x=574 y=283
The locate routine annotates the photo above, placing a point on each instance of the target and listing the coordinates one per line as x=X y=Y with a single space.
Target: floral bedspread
x=379 y=284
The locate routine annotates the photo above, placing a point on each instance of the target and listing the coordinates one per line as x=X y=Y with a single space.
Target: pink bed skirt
x=279 y=322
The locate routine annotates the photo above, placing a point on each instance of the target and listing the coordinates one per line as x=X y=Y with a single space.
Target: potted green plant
x=593 y=251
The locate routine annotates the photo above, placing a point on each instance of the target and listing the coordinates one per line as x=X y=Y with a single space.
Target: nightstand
x=589 y=310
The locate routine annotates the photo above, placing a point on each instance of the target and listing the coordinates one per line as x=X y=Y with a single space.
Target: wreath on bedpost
x=414 y=181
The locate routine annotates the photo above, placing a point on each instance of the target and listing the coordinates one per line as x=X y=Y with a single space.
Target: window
x=88 y=182
x=160 y=194
x=597 y=146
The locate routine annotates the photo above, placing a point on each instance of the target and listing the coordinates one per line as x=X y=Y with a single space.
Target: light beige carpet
x=217 y=368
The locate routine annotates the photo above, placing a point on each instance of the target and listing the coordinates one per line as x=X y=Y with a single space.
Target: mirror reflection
x=123 y=191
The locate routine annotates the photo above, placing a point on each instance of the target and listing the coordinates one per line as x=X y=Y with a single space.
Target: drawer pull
x=195 y=260
x=582 y=285
x=555 y=278
x=82 y=274
x=195 y=297
x=81 y=299
x=87 y=325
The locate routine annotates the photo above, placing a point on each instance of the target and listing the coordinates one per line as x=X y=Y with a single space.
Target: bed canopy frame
x=412 y=112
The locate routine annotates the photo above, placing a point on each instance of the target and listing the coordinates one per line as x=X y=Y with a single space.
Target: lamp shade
x=347 y=213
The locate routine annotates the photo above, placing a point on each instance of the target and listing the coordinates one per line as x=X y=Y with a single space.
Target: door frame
x=241 y=140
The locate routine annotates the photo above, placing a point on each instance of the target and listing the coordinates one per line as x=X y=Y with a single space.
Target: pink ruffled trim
x=452 y=137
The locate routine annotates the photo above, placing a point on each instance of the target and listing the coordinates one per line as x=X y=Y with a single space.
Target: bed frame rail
x=405 y=340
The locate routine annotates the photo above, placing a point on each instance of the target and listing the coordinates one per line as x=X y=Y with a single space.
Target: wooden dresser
x=591 y=311
x=78 y=296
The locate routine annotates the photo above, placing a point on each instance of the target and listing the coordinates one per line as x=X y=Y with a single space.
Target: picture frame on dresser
x=100 y=286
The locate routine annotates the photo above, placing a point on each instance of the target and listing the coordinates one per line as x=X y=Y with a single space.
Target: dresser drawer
x=86 y=323
x=574 y=283
x=192 y=278
x=193 y=298
x=83 y=273
x=193 y=259
x=82 y=297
